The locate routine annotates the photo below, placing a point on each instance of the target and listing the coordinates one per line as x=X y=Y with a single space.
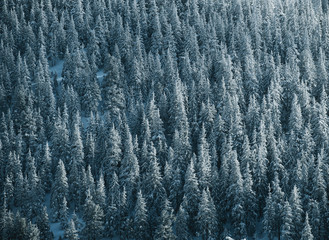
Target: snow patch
x=57 y=230
x=100 y=75
x=57 y=69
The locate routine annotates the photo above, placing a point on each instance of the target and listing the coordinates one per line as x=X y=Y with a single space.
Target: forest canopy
x=164 y=119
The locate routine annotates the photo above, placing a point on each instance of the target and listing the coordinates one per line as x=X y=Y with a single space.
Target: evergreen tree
x=204 y=161
x=100 y=193
x=60 y=140
x=43 y=225
x=191 y=196
x=152 y=187
x=129 y=169
x=165 y=227
x=141 y=225
x=70 y=232
x=181 y=227
x=59 y=192
x=274 y=210
x=314 y=213
x=113 y=201
x=260 y=169
x=288 y=224
x=307 y=233
x=32 y=232
x=35 y=193
x=77 y=154
x=249 y=202
x=45 y=169
x=62 y=214
x=94 y=219
x=297 y=210
x=207 y=219
x=113 y=154
x=113 y=98
x=235 y=196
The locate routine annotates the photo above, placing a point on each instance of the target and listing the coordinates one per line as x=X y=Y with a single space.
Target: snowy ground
x=57 y=69
x=100 y=75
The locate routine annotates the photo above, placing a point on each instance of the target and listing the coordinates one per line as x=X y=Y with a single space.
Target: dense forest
x=164 y=119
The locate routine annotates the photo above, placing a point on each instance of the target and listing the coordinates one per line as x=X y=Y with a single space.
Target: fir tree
x=70 y=232
x=182 y=231
x=32 y=232
x=274 y=210
x=287 y=221
x=207 y=219
x=191 y=195
x=113 y=153
x=297 y=210
x=165 y=228
x=43 y=225
x=307 y=233
x=129 y=169
x=94 y=219
x=59 y=192
x=113 y=97
x=141 y=229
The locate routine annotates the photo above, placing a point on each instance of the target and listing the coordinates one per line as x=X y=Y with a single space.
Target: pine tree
x=165 y=227
x=307 y=233
x=152 y=187
x=74 y=184
x=43 y=225
x=179 y=122
x=90 y=149
x=204 y=161
x=60 y=140
x=175 y=192
x=72 y=34
x=274 y=210
x=35 y=193
x=129 y=169
x=113 y=97
x=59 y=191
x=287 y=221
x=235 y=196
x=15 y=168
x=206 y=218
x=45 y=169
x=62 y=214
x=297 y=210
x=77 y=154
x=123 y=211
x=191 y=196
x=181 y=227
x=113 y=201
x=100 y=193
x=249 y=202
x=113 y=153
x=32 y=232
x=70 y=232
x=141 y=225
x=94 y=219
x=260 y=169
x=314 y=213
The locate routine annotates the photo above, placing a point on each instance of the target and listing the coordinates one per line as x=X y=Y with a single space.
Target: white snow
x=57 y=231
x=100 y=75
x=57 y=69
x=85 y=122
